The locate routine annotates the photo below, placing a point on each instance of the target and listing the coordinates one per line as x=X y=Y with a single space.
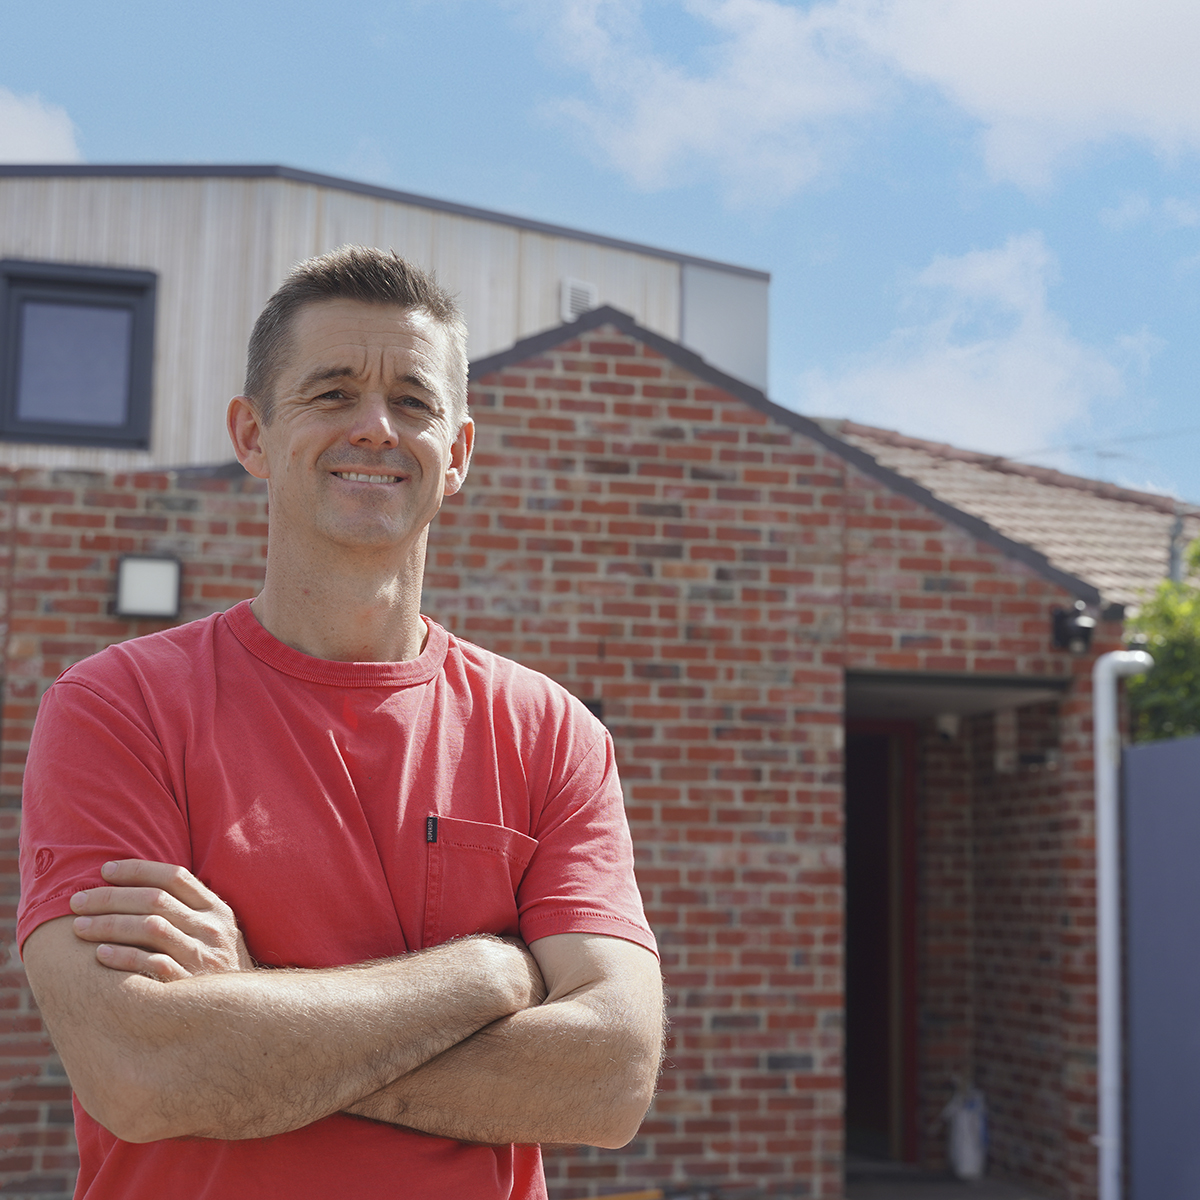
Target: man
x=371 y=800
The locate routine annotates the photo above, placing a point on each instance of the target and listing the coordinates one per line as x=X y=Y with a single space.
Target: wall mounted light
x=148 y=587
x=1071 y=628
x=947 y=725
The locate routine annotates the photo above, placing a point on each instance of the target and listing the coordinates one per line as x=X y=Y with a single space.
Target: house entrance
x=880 y=1014
x=885 y=713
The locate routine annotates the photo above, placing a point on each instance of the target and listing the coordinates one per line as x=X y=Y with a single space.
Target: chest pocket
x=474 y=870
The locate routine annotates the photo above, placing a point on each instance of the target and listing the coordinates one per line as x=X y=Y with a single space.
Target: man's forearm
x=576 y=1070
x=255 y=1053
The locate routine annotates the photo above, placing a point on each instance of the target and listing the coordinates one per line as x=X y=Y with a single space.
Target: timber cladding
x=221 y=240
x=703 y=573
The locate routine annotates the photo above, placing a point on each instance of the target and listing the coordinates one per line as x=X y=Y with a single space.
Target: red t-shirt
x=301 y=791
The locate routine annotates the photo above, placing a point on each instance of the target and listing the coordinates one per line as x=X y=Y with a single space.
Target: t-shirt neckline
x=270 y=650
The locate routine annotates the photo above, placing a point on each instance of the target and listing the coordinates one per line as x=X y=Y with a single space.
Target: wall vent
x=577 y=297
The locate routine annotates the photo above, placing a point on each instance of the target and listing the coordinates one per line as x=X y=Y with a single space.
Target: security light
x=1071 y=628
x=148 y=587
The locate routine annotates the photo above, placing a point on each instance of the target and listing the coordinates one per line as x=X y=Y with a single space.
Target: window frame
x=70 y=283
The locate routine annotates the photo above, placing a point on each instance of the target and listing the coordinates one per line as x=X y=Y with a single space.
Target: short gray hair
x=361 y=273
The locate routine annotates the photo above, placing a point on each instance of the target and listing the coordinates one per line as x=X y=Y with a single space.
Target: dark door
x=1162 y=969
x=880 y=979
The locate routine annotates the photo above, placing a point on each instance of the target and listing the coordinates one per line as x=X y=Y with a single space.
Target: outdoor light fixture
x=1072 y=628
x=148 y=587
x=947 y=725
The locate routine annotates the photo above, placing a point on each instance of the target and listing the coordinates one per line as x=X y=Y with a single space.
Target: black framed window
x=76 y=354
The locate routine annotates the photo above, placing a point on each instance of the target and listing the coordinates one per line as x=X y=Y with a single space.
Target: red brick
x=714 y=624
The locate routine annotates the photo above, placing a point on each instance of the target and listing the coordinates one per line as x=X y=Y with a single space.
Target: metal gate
x=1162 y=969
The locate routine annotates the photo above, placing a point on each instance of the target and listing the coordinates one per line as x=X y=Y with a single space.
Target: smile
x=359 y=477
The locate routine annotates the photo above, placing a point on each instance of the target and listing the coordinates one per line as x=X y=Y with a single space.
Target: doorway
x=880 y=1014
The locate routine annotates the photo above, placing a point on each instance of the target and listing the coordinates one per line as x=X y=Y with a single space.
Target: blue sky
x=982 y=217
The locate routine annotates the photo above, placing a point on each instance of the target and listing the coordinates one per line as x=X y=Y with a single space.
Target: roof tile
x=1115 y=538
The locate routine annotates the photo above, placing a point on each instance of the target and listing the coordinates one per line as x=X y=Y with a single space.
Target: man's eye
x=335 y=394
x=415 y=402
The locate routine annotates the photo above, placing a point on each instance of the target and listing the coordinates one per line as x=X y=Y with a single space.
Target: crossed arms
x=166 y=1028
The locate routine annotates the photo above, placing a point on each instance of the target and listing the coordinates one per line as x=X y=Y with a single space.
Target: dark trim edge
x=271 y=171
x=1051 y=683
x=226 y=470
x=682 y=357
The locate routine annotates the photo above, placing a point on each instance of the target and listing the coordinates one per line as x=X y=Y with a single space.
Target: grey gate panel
x=1162 y=969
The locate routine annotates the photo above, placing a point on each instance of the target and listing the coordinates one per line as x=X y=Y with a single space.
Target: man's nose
x=373 y=423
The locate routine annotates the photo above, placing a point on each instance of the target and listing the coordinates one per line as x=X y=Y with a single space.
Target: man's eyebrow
x=324 y=375
x=418 y=379
x=427 y=383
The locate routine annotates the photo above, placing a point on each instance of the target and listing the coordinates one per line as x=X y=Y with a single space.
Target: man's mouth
x=363 y=477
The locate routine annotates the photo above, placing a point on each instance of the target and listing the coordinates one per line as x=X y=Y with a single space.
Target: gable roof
x=821 y=432
x=1116 y=538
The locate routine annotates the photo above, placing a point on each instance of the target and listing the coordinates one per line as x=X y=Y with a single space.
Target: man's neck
x=363 y=612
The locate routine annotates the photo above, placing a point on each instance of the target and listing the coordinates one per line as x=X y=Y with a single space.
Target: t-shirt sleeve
x=96 y=788
x=580 y=878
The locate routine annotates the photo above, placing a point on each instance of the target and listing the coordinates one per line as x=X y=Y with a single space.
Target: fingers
x=201 y=947
x=170 y=892
x=151 y=910
x=147 y=945
x=154 y=910
x=134 y=961
x=151 y=933
x=127 y=900
x=174 y=880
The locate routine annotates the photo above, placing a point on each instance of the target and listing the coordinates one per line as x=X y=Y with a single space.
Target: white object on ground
x=966 y=1135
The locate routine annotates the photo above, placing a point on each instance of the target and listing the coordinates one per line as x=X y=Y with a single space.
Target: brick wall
x=1006 y=928
x=1007 y=957
x=63 y=533
x=706 y=573
x=656 y=545
x=945 y=932
x=1018 y=994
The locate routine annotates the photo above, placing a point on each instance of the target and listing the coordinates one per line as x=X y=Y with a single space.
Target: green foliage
x=1165 y=702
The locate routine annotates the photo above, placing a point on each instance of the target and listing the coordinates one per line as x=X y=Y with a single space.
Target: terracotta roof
x=1102 y=543
x=1115 y=538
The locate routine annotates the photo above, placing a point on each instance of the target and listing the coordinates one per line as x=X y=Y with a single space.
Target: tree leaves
x=1165 y=702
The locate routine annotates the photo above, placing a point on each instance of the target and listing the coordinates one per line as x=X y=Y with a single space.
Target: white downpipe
x=1107 y=747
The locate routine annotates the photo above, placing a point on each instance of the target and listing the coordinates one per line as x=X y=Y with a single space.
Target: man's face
x=362 y=443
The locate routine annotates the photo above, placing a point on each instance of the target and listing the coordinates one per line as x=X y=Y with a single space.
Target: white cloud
x=32 y=131
x=1185 y=213
x=764 y=110
x=1133 y=209
x=1138 y=349
x=367 y=159
x=991 y=368
x=772 y=103
x=1045 y=79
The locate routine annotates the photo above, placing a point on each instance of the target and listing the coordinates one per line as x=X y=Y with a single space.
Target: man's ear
x=460 y=457
x=245 y=432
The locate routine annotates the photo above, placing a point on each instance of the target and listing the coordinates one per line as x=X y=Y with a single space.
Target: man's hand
x=575 y=1066
x=580 y=1067
x=243 y=1054
x=159 y=920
